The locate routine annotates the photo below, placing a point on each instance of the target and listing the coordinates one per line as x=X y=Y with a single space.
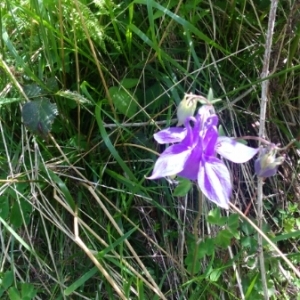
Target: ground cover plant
x=89 y=207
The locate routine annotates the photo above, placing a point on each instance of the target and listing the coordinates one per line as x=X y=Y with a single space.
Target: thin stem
x=195 y=227
x=261 y=234
x=262 y=127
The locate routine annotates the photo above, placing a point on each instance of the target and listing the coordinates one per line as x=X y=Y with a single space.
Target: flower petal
x=191 y=166
x=171 y=161
x=170 y=135
x=214 y=181
x=234 y=151
x=210 y=140
x=266 y=165
x=204 y=112
x=267 y=171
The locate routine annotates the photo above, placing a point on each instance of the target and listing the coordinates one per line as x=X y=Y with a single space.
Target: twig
x=139 y=124
x=263 y=108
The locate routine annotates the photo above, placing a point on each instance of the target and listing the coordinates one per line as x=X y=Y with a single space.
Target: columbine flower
x=194 y=155
x=266 y=164
x=187 y=107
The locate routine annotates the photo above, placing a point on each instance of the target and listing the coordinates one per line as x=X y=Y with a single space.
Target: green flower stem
x=195 y=227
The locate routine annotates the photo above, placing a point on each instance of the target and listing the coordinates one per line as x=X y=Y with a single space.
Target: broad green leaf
x=206 y=247
x=235 y=230
x=210 y=247
x=125 y=102
x=214 y=217
x=28 y=291
x=182 y=188
x=33 y=90
x=13 y=294
x=233 y=222
x=8 y=279
x=38 y=115
x=129 y=83
x=51 y=84
x=192 y=264
x=223 y=238
x=197 y=252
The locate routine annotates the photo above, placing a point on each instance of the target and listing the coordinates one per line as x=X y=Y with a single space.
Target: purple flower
x=266 y=165
x=194 y=155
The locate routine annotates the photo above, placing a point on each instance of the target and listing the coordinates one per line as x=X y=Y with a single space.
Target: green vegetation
x=83 y=87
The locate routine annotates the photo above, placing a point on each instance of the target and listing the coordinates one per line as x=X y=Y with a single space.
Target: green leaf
x=197 y=252
x=182 y=188
x=251 y=286
x=14 y=294
x=81 y=281
x=4 y=101
x=210 y=247
x=129 y=83
x=192 y=263
x=215 y=275
x=247 y=241
x=214 y=217
x=233 y=222
x=8 y=279
x=210 y=95
x=61 y=185
x=247 y=228
x=17 y=237
x=17 y=210
x=38 y=116
x=124 y=101
x=33 y=90
x=1 y=291
x=223 y=238
x=119 y=241
x=221 y=131
x=206 y=247
x=4 y=207
x=28 y=291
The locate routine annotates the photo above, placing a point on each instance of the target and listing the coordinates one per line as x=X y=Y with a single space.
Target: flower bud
x=266 y=164
x=186 y=108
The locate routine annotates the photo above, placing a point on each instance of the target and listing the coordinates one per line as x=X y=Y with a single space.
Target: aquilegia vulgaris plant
x=193 y=155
